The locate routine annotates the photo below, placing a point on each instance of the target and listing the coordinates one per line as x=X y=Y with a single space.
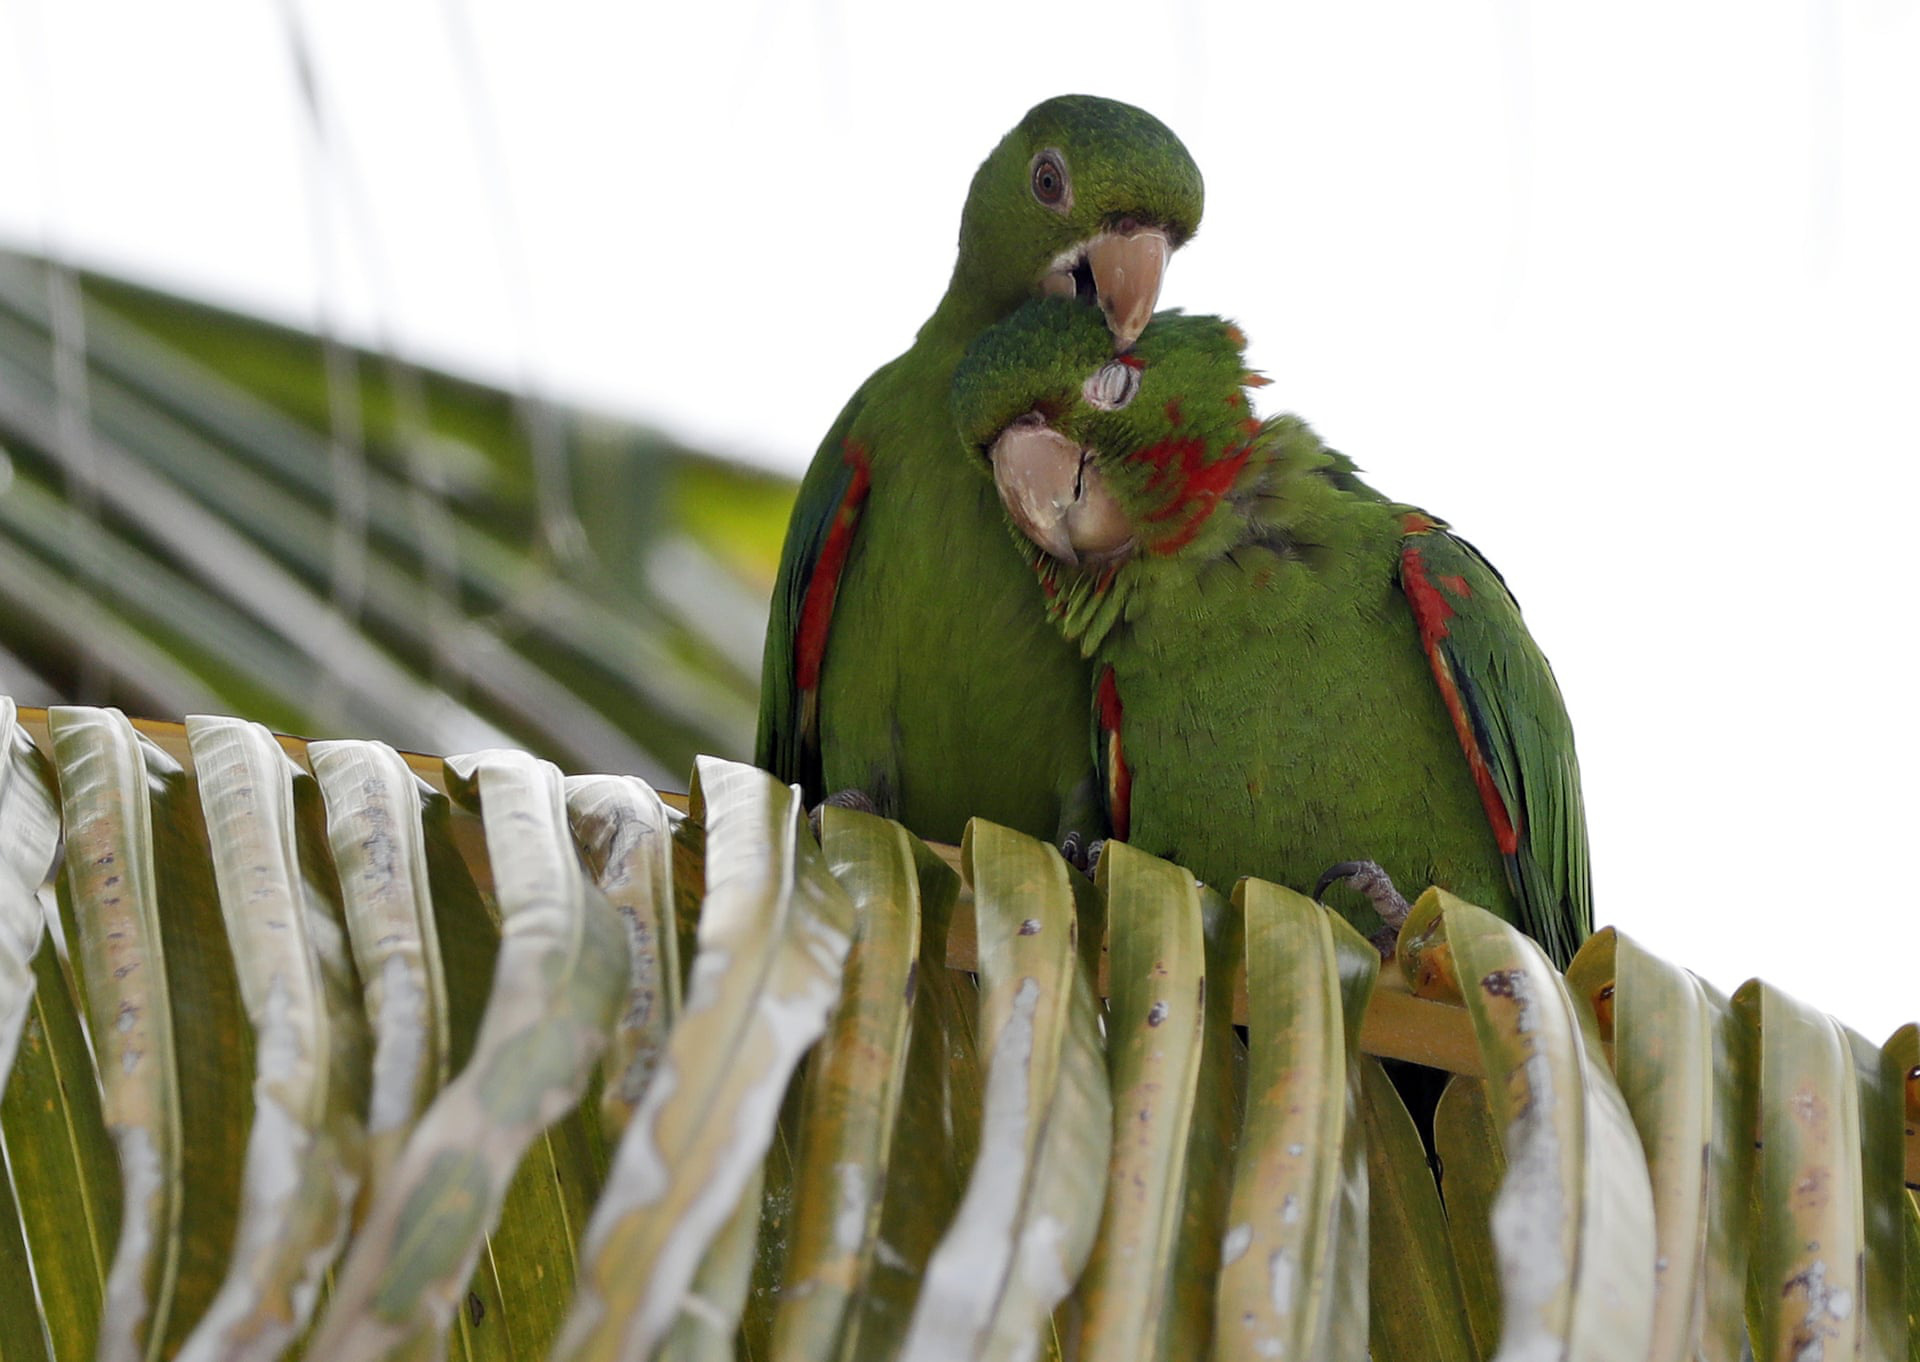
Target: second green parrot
x=1294 y=677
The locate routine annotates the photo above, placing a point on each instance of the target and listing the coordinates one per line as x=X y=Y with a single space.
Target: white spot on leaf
x=850 y=1207
x=1235 y=1244
x=1282 y=1276
x=127 y=1305
x=400 y=1045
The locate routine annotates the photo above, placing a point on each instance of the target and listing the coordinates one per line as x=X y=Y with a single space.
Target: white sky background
x=1630 y=294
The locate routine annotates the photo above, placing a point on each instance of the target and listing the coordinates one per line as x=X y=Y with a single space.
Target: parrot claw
x=1377 y=885
x=857 y=800
x=1083 y=856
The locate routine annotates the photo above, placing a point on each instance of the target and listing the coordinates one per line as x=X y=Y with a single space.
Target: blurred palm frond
x=204 y=511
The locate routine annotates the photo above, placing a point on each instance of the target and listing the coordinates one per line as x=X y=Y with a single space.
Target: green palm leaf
x=264 y=959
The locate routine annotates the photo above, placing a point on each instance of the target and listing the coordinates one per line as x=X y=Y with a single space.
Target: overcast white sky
x=1629 y=293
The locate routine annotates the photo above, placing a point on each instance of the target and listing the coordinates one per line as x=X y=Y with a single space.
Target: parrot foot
x=1377 y=885
x=1083 y=856
x=857 y=800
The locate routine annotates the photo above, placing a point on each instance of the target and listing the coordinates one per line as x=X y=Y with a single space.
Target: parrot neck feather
x=964 y=311
x=1289 y=485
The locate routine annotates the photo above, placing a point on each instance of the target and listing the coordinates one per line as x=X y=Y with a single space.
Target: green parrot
x=907 y=658
x=1295 y=678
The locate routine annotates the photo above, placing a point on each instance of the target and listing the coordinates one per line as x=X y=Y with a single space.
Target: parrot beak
x=1127 y=270
x=1121 y=270
x=1055 y=494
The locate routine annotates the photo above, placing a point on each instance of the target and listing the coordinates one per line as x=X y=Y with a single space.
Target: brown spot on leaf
x=1502 y=983
x=1813 y=1189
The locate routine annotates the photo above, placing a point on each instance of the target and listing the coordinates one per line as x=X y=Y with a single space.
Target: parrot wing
x=1512 y=725
x=820 y=536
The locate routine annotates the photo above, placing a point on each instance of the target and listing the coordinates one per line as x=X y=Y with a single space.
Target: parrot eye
x=1050 y=181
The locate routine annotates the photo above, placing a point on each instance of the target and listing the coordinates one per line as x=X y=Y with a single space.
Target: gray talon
x=1377 y=885
x=857 y=800
x=1081 y=854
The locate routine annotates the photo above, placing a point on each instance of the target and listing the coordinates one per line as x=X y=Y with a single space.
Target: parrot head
x=1085 y=199
x=1108 y=464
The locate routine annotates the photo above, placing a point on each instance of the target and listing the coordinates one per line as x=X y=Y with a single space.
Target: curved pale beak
x=1127 y=270
x=1054 y=493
